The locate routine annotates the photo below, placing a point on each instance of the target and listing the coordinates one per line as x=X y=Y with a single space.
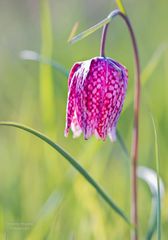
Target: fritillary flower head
x=96 y=93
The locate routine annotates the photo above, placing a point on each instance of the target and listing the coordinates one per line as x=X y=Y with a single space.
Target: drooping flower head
x=96 y=92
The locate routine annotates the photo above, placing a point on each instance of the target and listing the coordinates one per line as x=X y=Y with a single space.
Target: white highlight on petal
x=75 y=127
x=112 y=134
x=76 y=130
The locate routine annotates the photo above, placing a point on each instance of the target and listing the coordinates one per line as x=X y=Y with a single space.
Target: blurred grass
x=46 y=82
x=28 y=177
x=159 y=223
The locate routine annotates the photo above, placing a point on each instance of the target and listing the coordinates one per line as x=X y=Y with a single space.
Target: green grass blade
x=122 y=144
x=49 y=206
x=34 y=56
x=158 y=182
x=153 y=63
x=148 y=71
x=46 y=82
x=149 y=176
x=121 y=6
x=94 y=28
x=41 y=223
x=74 y=163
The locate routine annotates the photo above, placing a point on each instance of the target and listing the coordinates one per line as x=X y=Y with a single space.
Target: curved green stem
x=74 y=163
x=104 y=32
x=135 y=138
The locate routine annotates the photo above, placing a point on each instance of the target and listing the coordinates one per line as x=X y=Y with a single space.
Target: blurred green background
x=41 y=195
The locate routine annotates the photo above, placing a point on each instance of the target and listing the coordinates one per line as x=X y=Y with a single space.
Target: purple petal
x=71 y=98
x=82 y=98
x=121 y=80
x=97 y=89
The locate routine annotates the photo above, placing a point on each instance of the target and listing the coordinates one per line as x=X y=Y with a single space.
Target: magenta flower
x=96 y=92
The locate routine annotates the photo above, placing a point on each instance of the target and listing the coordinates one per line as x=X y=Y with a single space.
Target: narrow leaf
x=121 y=6
x=158 y=182
x=49 y=206
x=74 y=163
x=34 y=56
x=149 y=176
x=122 y=145
x=45 y=71
x=153 y=63
x=91 y=30
x=73 y=31
x=148 y=71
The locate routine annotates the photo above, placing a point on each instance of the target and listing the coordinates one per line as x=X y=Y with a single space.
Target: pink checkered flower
x=96 y=92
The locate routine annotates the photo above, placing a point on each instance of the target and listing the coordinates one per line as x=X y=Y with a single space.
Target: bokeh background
x=41 y=195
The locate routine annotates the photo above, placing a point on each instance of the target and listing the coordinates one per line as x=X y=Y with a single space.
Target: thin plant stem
x=104 y=32
x=135 y=138
x=103 y=40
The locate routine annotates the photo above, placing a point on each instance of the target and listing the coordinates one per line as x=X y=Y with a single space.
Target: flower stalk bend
x=135 y=138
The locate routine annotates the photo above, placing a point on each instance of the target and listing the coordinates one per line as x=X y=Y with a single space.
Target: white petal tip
x=76 y=134
x=76 y=131
x=112 y=135
x=66 y=133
